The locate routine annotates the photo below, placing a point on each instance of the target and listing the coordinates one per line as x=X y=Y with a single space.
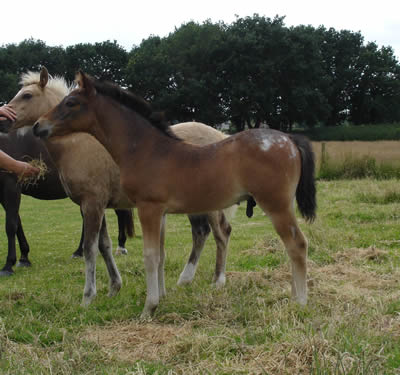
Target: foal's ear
x=44 y=77
x=85 y=83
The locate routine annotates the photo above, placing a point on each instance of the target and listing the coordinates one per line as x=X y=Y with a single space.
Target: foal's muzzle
x=39 y=132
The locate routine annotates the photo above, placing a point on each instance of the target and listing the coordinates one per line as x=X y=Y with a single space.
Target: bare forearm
x=15 y=166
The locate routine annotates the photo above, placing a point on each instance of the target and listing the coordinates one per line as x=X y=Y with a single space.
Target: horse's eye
x=71 y=103
x=27 y=96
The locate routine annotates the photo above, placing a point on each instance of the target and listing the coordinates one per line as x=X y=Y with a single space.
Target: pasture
x=381 y=151
x=351 y=324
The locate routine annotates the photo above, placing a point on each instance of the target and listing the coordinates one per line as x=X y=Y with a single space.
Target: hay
x=26 y=181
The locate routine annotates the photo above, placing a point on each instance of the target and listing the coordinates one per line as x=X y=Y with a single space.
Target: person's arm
x=6 y=112
x=20 y=168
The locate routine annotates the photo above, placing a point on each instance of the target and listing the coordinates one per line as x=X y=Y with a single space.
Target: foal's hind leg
x=221 y=231
x=105 y=247
x=286 y=225
x=161 y=280
x=121 y=215
x=200 y=232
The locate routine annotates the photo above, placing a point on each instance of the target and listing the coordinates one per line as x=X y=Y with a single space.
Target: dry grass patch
x=381 y=151
x=134 y=341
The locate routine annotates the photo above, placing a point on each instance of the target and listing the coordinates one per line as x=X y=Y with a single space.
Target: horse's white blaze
x=187 y=274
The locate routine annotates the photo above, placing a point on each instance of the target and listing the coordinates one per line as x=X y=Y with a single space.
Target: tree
x=340 y=52
x=375 y=89
x=254 y=50
x=181 y=72
x=106 y=60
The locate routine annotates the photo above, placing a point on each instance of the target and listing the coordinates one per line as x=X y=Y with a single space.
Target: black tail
x=306 y=190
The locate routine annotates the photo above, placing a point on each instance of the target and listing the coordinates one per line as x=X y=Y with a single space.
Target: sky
x=68 y=22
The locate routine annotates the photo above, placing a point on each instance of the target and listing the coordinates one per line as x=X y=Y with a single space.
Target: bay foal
x=162 y=174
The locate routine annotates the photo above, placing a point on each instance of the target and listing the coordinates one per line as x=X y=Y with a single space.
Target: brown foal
x=161 y=174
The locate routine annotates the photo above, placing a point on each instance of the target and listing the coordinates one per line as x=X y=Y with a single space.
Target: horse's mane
x=134 y=102
x=57 y=84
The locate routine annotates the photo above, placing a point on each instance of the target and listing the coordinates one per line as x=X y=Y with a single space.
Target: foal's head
x=39 y=93
x=83 y=108
x=75 y=113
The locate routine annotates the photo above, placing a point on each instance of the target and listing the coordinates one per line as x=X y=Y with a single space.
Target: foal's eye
x=27 y=96
x=71 y=102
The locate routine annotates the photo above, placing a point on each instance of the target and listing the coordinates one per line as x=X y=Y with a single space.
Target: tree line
x=251 y=72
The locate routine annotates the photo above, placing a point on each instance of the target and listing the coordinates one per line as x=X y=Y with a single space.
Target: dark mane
x=134 y=102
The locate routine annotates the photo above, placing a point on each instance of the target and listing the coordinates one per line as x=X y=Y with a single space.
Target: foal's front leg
x=92 y=218
x=151 y=217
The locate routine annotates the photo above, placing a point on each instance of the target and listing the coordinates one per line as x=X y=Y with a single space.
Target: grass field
x=381 y=151
x=351 y=324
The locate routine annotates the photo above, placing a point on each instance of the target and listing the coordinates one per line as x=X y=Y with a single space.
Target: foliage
x=354 y=133
x=252 y=72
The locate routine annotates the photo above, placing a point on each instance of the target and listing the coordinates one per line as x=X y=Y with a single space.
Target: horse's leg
x=286 y=226
x=121 y=215
x=92 y=217
x=23 y=245
x=78 y=253
x=221 y=231
x=10 y=199
x=161 y=279
x=150 y=216
x=105 y=247
x=200 y=232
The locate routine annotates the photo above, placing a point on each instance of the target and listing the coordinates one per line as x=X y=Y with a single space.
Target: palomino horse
x=91 y=177
x=162 y=174
x=34 y=99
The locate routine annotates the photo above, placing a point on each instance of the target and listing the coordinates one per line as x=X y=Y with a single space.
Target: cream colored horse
x=91 y=178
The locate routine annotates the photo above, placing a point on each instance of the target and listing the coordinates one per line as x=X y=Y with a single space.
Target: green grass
x=351 y=324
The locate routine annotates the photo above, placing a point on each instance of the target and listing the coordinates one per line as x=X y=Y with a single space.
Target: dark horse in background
x=27 y=147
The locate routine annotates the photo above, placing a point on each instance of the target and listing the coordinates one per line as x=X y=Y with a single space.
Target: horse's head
x=75 y=113
x=38 y=94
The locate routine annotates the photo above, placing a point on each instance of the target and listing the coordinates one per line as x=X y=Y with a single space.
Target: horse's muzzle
x=39 y=132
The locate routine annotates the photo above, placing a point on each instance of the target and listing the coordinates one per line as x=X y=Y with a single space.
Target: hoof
x=115 y=288
x=121 y=251
x=24 y=263
x=6 y=273
x=76 y=255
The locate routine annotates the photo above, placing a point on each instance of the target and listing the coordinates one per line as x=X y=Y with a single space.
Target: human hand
x=23 y=169
x=7 y=112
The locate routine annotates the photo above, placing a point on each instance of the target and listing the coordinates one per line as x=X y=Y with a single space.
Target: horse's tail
x=306 y=189
x=129 y=225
